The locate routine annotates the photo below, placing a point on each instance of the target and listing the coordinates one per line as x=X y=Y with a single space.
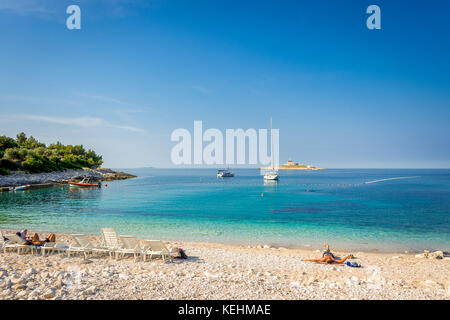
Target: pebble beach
x=223 y=271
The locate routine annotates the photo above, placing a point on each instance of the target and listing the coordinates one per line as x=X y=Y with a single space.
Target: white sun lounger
x=156 y=248
x=129 y=245
x=83 y=245
x=53 y=247
x=17 y=243
x=110 y=240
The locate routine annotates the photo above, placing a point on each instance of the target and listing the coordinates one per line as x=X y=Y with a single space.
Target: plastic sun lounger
x=156 y=248
x=83 y=245
x=110 y=240
x=16 y=242
x=130 y=245
x=52 y=247
x=77 y=247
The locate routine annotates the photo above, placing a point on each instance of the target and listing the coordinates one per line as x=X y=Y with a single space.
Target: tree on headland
x=30 y=155
x=6 y=143
x=21 y=138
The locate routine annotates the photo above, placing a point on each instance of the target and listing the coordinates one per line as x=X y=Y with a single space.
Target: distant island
x=290 y=165
x=26 y=161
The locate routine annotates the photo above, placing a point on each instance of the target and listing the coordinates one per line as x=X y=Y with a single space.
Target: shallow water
x=304 y=209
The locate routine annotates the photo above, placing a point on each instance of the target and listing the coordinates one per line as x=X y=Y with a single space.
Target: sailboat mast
x=271 y=142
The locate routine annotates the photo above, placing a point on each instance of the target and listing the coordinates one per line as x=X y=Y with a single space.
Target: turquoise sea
x=306 y=208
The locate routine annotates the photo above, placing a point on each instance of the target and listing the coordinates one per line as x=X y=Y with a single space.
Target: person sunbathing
x=328 y=257
x=50 y=238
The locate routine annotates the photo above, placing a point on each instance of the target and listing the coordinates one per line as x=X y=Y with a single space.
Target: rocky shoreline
x=218 y=271
x=20 y=178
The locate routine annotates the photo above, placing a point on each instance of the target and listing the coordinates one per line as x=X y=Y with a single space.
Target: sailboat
x=272 y=174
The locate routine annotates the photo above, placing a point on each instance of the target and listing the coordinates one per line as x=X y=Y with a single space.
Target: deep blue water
x=303 y=209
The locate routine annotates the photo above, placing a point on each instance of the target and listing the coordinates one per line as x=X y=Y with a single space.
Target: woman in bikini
x=36 y=241
x=328 y=257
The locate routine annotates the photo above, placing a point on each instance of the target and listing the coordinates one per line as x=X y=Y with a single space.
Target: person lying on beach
x=329 y=257
x=35 y=239
x=50 y=238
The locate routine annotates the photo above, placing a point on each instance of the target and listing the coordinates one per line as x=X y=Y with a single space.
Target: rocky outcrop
x=20 y=178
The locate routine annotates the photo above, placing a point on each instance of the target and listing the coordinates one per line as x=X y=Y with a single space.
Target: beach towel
x=353 y=264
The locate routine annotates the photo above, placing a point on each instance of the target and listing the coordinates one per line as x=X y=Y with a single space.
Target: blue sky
x=341 y=95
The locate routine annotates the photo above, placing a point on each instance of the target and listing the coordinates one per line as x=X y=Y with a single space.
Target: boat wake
x=387 y=179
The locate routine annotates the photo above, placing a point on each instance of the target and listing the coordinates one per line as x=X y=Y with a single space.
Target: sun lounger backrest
x=82 y=241
x=74 y=242
x=110 y=238
x=14 y=238
x=129 y=242
x=157 y=245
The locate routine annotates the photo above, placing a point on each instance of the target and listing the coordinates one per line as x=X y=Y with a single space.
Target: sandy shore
x=218 y=271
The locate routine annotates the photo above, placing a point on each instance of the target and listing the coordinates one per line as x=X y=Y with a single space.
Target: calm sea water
x=303 y=209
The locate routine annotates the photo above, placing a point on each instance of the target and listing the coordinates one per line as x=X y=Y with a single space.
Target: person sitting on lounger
x=23 y=234
x=329 y=257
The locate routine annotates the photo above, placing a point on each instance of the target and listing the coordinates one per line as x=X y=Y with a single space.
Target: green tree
x=16 y=154
x=6 y=143
x=32 y=143
x=12 y=154
x=33 y=156
x=40 y=151
x=21 y=138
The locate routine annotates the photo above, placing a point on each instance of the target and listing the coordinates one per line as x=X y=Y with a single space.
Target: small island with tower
x=291 y=165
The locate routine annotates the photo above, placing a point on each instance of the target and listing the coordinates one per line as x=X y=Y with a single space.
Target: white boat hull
x=271 y=176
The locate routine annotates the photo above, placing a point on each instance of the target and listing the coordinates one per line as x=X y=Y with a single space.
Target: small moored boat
x=272 y=175
x=85 y=183
x=225 y=173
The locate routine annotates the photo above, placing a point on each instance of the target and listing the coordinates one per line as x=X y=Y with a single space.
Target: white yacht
x=272 y=174
x=225 y=173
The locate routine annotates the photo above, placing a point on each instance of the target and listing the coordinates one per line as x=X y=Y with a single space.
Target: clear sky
x=341 y=95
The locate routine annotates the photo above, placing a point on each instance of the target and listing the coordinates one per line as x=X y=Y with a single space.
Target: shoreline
x=260 y=246
x=48 y=179
x=219 y=271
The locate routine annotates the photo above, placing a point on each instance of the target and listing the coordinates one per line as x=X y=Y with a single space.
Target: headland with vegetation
x=25 y=160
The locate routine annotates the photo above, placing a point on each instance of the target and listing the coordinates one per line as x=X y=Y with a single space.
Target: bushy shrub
x=36 y=163
x=4 y=172
x=34 y=156
x=6 y=143
x=19 y=154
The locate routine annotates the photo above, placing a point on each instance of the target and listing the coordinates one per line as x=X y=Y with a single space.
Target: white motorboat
x=225 y=173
